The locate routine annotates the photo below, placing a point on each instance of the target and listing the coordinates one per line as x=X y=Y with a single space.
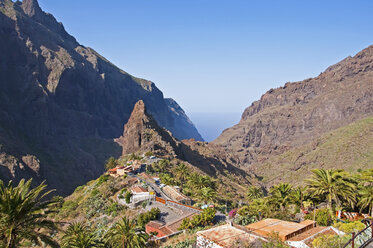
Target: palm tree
x=124 y=234
x=182 y=172
x=254 y=193
x=298 y=196
x=333 y=184
x=207 y=194
x=281 y=194
x=23 y=214
x=78 y=235
x=366 y=199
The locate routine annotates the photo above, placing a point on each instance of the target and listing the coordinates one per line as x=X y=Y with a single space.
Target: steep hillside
x=61 y=104
x=349 y=148
x=297 y=113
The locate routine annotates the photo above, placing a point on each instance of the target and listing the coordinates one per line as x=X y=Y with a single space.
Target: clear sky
x=219 y=55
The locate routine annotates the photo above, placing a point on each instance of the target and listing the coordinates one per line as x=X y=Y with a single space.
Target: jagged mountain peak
x=31 y=7
x=74 y=102
x=142 y=133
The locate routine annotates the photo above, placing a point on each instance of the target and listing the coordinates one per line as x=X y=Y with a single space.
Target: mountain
x=299 y=113
x=349 y=148
x=143 y=134
x=62 y=104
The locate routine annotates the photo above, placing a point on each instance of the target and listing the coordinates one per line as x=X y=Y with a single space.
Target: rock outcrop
x=142 y=134
x=63 y=103
x=298 y=113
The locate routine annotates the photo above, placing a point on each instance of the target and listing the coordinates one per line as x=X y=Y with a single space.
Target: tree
x=124 y=234
x=23 y=214
x=110 y=163
x=281 y=195
x=78 y=235
x=182 y=172
x=366 y=199
x=333 y=184
x=254 y=193
x=207 y=194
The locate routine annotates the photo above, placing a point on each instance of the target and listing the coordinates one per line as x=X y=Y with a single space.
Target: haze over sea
x=210 y=125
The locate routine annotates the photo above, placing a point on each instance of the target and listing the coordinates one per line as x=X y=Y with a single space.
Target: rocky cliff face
x=142 y=134
x=300 y=112
x=61 y=104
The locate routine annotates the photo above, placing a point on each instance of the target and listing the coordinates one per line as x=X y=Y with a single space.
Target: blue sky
x=218 y=56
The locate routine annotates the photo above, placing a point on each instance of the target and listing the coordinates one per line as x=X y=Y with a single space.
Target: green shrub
x=330 y=241
x=203 y=219
x=127 y=197
x=323 y=217
x=102 y=179
x=69 y=206
x=144 y=218
x=113 y=209
x=95 y=192
x=148 y=154
x=110 y=163
x=351 y=227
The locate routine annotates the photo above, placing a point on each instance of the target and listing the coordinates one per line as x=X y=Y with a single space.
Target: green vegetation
x=323 y=217
x=125 y=233
x=111 y=163
x=78 y=235
x=330 y=241
x=349 y=148
x=340 y=190
x=20 y=215
x=203 y=219
x=144 y=218
x=127 y=197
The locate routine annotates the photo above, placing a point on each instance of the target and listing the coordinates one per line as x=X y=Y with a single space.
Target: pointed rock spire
x=31 y=7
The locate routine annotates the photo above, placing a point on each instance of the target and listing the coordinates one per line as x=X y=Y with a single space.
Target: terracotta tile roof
x=226 y=235
x=155 y=224
x=113 y=170
x=138 y=189
x=285 y=229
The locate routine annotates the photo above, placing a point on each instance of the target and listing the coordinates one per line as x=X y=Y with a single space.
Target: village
x=175 y=207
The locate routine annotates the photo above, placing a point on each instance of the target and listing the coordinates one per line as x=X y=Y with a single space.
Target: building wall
x=205 y=243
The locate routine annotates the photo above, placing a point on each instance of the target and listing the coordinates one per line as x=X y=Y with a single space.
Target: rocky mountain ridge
x=62 y=104
x=300 y=112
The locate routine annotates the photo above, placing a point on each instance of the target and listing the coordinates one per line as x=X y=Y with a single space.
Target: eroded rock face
x=63 y=103
x=300 y=112
x=142 y=134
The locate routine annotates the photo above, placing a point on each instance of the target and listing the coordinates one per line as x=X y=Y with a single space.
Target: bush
x=102 y=179
x=148 y=154
x=203 y=219
x=110 y=163
x=323 y=217
x=351 y=227
x=330 y=241
x=69 y=206
x=127 y=197
x=113 y=209
x=144 y=218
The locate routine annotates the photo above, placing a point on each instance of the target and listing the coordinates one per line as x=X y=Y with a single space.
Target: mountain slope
x=62 y=104
x=349 y=148
x=296 y=114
